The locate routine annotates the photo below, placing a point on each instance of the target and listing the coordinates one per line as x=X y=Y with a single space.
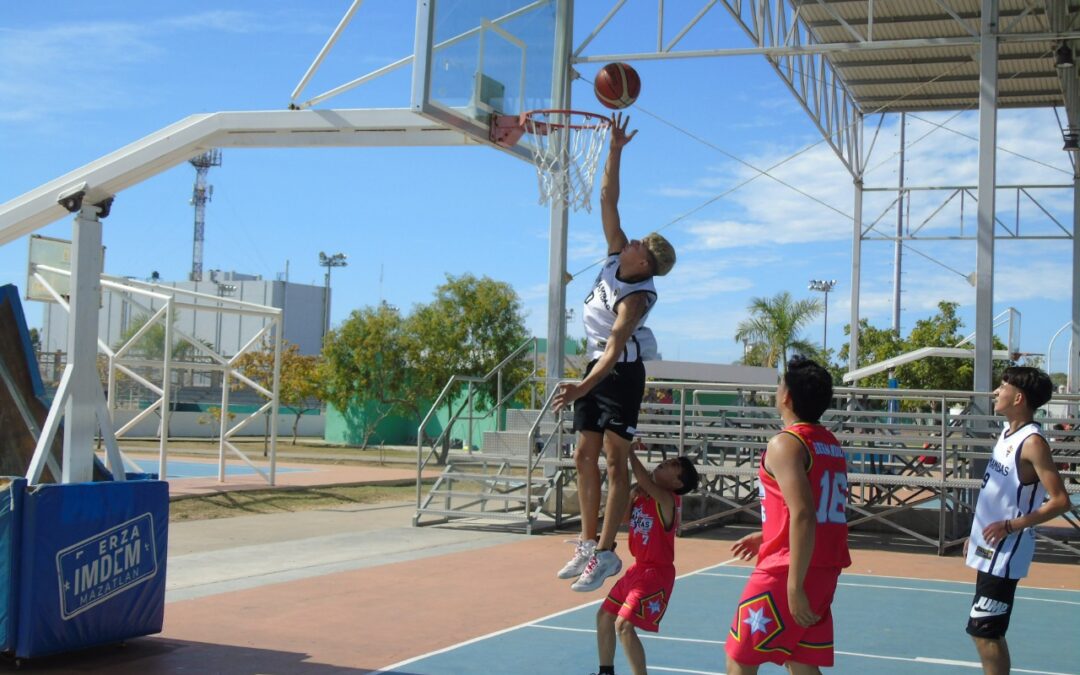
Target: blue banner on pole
x=93 y=564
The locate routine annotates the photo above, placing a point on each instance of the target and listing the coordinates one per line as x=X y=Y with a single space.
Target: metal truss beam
x=959 y=17
x=196 y=134
x=810 y=77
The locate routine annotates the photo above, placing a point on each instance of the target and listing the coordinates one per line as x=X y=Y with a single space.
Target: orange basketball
x=617 y=85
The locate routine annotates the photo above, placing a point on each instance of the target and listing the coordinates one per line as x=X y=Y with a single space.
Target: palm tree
x=773 y=328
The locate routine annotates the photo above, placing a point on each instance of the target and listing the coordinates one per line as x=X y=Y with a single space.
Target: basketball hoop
x=566 y=150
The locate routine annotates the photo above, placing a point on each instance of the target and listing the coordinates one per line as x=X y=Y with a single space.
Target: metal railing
x=442 y=440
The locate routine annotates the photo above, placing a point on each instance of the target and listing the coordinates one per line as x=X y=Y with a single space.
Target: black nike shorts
x=614 y=403
x=992 y=607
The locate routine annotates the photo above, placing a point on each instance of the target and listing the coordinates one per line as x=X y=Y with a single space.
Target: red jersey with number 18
x=827 y=473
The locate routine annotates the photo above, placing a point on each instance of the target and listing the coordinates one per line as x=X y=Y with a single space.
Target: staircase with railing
x=498 y=483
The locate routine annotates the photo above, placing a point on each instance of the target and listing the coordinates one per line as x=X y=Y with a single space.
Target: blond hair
x=662 y=251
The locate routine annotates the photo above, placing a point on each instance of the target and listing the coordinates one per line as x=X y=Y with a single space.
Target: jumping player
x=641 y=596
x=609 y=398
x=1018 y=478
x=784 y=614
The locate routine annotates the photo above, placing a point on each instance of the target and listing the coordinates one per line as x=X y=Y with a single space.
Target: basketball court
x=357 y=589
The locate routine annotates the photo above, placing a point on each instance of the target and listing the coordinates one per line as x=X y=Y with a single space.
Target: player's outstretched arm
x=663 y=497
x=786 y=458
x=609 y=184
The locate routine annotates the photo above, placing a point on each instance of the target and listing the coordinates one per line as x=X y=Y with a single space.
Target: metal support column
x=856 y=273
x=1074 y=351
x=984 y=285
x=898 y=245
x=80 y=407
x=559 y=223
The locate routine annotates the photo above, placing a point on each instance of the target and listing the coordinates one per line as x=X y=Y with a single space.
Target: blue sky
x=80 y=81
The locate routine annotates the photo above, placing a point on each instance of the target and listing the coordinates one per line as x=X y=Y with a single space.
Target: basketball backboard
x=54 y=253
x=477 y=58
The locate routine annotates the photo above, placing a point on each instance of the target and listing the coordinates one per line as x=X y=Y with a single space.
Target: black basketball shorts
x=992 y=607
x=614 y=403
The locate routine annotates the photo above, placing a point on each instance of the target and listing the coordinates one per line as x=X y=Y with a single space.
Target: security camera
x=72 y=198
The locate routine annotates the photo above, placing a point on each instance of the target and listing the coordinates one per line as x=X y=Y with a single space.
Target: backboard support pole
x=559 y=222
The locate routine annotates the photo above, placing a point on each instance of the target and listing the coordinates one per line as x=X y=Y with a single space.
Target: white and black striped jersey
x=599 y=313
x=1004 y=497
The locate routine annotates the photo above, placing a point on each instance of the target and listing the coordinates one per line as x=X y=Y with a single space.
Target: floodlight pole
x=825 y=287
x=329 y=262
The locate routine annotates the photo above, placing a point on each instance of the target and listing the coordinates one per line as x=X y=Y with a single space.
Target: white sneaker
x=602 y=565
x=582 y=553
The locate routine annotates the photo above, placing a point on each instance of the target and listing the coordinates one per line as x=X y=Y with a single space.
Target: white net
x=566 y=150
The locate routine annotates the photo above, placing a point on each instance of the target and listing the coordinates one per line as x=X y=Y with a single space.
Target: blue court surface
x=182 y=469
x=884 y=626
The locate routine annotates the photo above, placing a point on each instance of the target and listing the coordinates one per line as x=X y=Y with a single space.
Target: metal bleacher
x=915 y=461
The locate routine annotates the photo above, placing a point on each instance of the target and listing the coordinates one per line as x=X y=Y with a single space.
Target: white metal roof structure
x=842 y=60
x=845 y=60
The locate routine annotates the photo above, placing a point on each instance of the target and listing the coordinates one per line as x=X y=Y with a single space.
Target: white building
x=302 y=306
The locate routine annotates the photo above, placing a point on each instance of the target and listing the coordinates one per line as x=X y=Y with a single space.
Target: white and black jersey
x=600 y=312
x=1004 y=497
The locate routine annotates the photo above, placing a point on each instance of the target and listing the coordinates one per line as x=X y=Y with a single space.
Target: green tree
x=299 y=387
x=365 y=368
x=875 y=345
x=772 y=330
x=471 y=325
x=940 y=330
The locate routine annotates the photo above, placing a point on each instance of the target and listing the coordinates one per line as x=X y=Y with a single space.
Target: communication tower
x=201 y=194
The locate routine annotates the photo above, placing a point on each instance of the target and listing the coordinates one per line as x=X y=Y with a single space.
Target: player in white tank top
x=607 y=401
x=599 y=313
x=1004 y=497
x=1021 y=489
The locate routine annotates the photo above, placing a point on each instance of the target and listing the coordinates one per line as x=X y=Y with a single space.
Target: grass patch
x=253 y=502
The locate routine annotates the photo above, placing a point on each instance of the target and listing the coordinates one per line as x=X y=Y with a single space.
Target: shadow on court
x=151 y=655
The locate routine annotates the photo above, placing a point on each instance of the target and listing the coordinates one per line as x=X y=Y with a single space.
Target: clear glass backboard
x=477 y=58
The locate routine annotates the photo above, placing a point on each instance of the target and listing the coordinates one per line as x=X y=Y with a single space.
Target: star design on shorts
x=757 y=621
x=654 y=606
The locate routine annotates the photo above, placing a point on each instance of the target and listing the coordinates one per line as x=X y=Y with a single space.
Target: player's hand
x=995 y=532
x=966 y=542
x=800 y=608
x=567 y=394
x=747 y=547
x=619 y=137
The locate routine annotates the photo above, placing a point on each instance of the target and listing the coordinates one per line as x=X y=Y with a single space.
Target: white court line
x=526 y=624
x=916 y=659
x=905 y=588
x=704 y=570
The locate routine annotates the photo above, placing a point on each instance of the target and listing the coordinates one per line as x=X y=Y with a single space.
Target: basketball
x=617 y=85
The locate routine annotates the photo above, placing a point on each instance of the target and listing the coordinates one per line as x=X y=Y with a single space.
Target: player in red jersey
x=641 y=596
x=784 y=614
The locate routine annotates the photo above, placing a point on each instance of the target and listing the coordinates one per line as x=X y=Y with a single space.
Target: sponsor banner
x=92 y=568
x=109 y=562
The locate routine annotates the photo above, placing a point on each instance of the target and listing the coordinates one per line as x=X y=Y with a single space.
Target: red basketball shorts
x=642 y=596
x=764 y=630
